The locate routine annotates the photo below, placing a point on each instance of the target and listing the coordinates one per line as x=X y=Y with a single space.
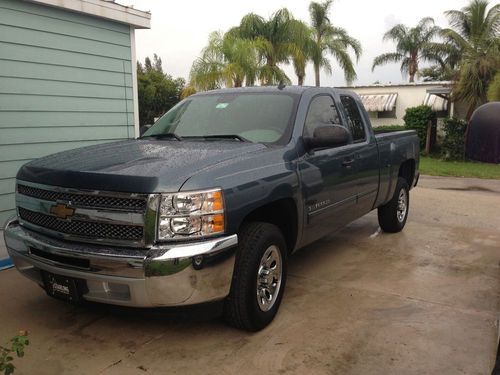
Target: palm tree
x=330 y=39
x=303 y=37
x=413 y=45
x=274 y=38
x=187 y=91
x=227 y=60
x=475 y=32
x=448 y=56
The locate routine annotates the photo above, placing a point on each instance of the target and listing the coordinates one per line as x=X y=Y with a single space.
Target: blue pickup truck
x=210 y=202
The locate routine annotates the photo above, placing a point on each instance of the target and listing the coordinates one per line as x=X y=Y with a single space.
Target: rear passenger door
x=366 y=162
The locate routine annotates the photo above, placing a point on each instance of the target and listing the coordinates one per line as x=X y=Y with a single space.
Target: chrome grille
x=84 y=200
x=82 y=228
x=90 y=216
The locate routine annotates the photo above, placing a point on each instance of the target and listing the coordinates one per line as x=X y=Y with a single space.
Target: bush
x=417 y=118
x=388 y=128
x=16 y=347
x=494 y=89
x=453 y=147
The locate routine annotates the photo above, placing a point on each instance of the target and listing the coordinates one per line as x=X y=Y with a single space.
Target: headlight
x=191 y=214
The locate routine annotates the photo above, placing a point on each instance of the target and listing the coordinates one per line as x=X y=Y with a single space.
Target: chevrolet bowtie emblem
x=62 y=211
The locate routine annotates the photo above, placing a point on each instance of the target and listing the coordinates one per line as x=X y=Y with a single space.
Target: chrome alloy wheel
x=269 y=278
x=402 y=205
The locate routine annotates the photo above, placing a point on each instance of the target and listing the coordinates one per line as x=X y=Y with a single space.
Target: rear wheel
x=392 y=216
x=259 y=277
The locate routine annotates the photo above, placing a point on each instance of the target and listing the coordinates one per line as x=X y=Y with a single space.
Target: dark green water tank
x=483 y=140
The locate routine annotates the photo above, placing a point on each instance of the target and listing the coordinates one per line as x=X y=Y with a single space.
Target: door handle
x=347 y=162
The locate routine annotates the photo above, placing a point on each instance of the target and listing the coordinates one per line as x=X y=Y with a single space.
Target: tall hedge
x=453 y=147
x=417 y=118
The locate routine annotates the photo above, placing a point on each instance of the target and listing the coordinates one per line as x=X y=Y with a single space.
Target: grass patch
x=437 y=167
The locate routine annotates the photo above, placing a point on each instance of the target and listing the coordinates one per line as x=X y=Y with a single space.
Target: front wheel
x=259 y=277
x=392 y=216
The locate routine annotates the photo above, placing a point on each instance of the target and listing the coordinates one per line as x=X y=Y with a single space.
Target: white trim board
x=103 y=9
x=134 y=82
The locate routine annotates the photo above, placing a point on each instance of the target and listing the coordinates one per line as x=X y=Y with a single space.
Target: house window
x=387 y=114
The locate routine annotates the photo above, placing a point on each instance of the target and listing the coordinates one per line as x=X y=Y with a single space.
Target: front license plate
x=61 y=287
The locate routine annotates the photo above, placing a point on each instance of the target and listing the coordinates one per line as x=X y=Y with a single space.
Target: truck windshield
x=253 y=117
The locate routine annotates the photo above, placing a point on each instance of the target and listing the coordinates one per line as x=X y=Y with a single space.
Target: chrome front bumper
x=166 y=275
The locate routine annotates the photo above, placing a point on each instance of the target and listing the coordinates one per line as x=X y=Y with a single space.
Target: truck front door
x=327 y=175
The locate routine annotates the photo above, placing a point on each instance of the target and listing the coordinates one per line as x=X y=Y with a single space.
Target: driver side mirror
x=328 y=136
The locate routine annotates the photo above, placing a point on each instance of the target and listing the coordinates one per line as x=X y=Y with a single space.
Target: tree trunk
x=317 y=59
x=470 y=111
x=300 y=80
x=413 y=68
x=249 y=82
x=270 y=63
x=316 y=75
x=428 y=138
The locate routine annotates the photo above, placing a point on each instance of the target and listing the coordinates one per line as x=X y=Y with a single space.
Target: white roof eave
x=103 y=9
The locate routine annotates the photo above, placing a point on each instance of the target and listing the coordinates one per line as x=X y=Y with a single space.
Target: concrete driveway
x=424 y=301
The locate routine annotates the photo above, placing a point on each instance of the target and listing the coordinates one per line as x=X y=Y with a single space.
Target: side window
x=354 y=119
x=322 y=111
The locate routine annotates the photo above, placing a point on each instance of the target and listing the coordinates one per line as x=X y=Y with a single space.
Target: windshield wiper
x=227 y=136
x=164 y=136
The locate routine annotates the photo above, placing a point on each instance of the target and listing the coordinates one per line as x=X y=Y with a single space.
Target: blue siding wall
x=65 y=82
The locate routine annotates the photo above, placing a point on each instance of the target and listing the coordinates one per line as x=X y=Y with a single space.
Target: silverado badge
x=62 y=211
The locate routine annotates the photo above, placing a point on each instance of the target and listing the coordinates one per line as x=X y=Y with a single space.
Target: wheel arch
x=407 y=171
x=282 y=213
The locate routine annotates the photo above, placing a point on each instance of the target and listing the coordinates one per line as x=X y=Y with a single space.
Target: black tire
x=390 y=216
x=242 y=308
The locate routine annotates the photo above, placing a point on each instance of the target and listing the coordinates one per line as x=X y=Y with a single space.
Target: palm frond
x=206 y=74
x=425 y=22
x=251 y=26
x=386 y=58
x=347 y=41
x=454 y=37
x=326 y=65
x=396 y=33
x=319 y=14
x=458 y=20
x=492 y=19
x=345 y=62
x=405 y=65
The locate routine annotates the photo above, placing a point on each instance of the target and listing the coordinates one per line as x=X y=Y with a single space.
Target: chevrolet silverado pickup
x=210 y=202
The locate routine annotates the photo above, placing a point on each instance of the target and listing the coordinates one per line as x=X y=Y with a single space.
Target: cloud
x=391 y=20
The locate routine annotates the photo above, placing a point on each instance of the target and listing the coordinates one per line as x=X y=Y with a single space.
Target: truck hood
x=137 y=166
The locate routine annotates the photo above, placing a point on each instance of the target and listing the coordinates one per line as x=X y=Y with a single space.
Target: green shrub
x=453 y=147
x=388 y=128
x=417 y=118
x=494 y=89
x=16 y=347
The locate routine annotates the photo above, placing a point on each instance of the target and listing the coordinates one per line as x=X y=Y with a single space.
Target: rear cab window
x=355 y=121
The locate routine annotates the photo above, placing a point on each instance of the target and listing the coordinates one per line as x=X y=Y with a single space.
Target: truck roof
x=262 y=89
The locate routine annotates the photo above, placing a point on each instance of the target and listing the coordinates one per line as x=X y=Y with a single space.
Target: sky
x=180 y=29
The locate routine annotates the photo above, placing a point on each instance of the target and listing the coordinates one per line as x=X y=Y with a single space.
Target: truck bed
x=394 y=148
